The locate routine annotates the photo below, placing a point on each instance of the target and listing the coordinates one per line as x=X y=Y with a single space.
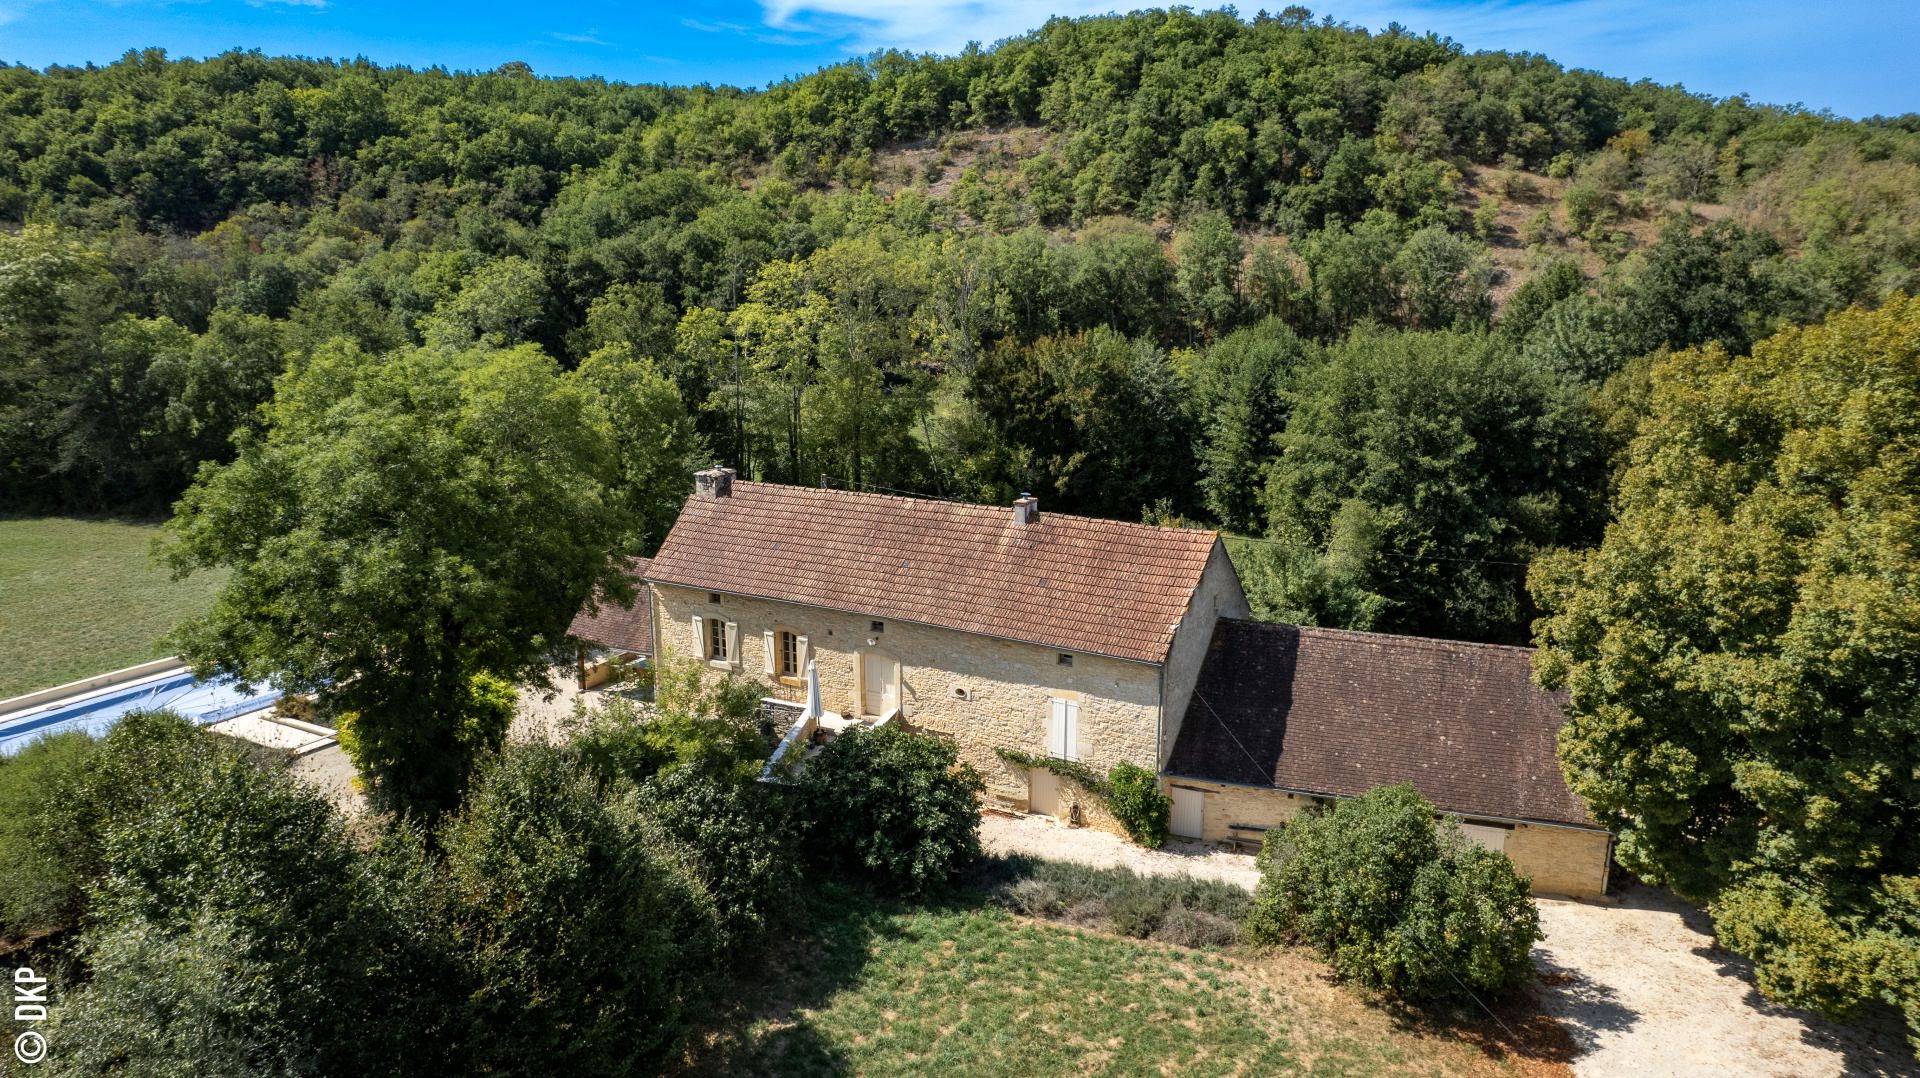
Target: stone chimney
x=1026 y=509
x=715 y=482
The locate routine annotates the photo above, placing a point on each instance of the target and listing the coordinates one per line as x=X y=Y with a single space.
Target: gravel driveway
x=1636 y=980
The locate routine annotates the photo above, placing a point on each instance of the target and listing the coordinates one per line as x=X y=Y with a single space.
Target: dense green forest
x=1381 y=306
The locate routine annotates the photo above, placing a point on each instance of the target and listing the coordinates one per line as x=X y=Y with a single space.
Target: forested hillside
x=1377 y=304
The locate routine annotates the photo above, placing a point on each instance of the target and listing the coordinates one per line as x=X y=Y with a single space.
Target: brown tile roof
x=615 y=627
x=1075 y=583
x=1335 y=712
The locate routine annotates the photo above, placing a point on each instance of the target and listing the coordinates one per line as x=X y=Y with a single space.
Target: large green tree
x=406 y=524
x=1743 y=653
x=1441 y=462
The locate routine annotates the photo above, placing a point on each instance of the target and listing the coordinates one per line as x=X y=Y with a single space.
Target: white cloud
x=925 y=26
x=591 y=37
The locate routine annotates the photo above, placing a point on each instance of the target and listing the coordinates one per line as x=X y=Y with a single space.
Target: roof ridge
x=1442 y=643
x=973 y=506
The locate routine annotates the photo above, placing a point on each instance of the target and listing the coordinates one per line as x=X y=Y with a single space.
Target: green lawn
x=964 y=989
x=79 y=597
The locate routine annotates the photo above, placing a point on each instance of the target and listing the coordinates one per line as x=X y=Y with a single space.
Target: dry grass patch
x=872 y=987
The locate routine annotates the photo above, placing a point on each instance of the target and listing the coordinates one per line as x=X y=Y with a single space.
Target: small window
x=717 y=641
x=713 y=597
x=878 y=627
x=1065 y=659
x=788 y=645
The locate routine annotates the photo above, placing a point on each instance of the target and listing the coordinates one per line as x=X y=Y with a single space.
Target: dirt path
x=1644 y=991
x=1636 y=981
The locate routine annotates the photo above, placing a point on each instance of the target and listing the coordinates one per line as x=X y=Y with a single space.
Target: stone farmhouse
x=1100 y=641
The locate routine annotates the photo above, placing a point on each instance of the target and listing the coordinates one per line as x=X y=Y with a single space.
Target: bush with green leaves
x=694 y=720
x=1392 y=903
x=40 y=887
x=895 y=806
x=1135 y=799
x=742 y=839
x=236 y=927
x=588 y=935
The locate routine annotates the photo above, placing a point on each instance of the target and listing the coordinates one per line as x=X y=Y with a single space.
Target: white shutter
x=768 y=642
x=800 y=655
x=1057 y=737
x=733 y=642
x=700 y=636
x=1073 y=729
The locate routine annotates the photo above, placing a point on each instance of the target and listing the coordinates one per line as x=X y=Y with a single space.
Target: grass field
x=79 y=597
x=873 y=988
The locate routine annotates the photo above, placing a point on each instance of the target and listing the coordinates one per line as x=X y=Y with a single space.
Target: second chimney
x=1026 y=509
x=715 y=482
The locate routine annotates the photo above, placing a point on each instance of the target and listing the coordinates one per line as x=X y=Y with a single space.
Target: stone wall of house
x=1561 y=860
x=1217 y=596
x=979 y=691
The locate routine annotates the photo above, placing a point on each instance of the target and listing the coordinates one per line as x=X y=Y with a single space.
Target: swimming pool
x=95 y=712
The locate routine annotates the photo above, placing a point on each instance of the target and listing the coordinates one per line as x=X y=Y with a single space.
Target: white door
x=879 y=683
x=1043 y=792
x=1189 y=812
x=1063 y=730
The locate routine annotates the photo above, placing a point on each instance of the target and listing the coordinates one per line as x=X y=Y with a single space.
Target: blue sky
x=1850 y=56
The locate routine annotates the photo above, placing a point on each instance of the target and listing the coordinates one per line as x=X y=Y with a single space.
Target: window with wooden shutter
x=700 y=635
x=769 y=644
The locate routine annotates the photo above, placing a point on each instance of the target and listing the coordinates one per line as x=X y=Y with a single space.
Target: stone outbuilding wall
x=1560 y=860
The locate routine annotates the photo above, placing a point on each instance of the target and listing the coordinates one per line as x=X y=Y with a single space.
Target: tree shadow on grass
x=765 y=1028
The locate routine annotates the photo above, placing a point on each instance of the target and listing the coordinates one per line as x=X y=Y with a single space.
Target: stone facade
x=982 y=692
x=1218 y=595
x=1561 y=860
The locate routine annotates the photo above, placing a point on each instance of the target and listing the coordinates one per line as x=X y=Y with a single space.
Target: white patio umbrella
x=813 y=708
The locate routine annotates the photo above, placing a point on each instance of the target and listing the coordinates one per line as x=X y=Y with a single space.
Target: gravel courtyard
x=1636 y=980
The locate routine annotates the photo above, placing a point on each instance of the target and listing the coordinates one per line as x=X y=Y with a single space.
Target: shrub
x=1184 y=927
x=1372 y=886
x=1177 y=909
x=588 y=938
x=694 y=721
x=897 y=806
x=744 y=843
x=1136 y=801
x=205 y=856
x=39 y=885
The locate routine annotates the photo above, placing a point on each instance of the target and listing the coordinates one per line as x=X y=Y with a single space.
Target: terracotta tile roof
x=619 y=628
x=1075 y=583
x=1334 y=712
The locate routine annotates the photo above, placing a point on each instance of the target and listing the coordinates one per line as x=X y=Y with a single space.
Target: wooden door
x=879 y=683
x=1043 y=792
x=1189 y=812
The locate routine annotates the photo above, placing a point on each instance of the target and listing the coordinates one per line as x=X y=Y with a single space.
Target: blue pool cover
x=95 y=713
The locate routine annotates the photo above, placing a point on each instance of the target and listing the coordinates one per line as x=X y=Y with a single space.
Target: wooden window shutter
x=700 y=636
x=1058 y=744
x=800 y=655
x=733 y=642
x=770 y=643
